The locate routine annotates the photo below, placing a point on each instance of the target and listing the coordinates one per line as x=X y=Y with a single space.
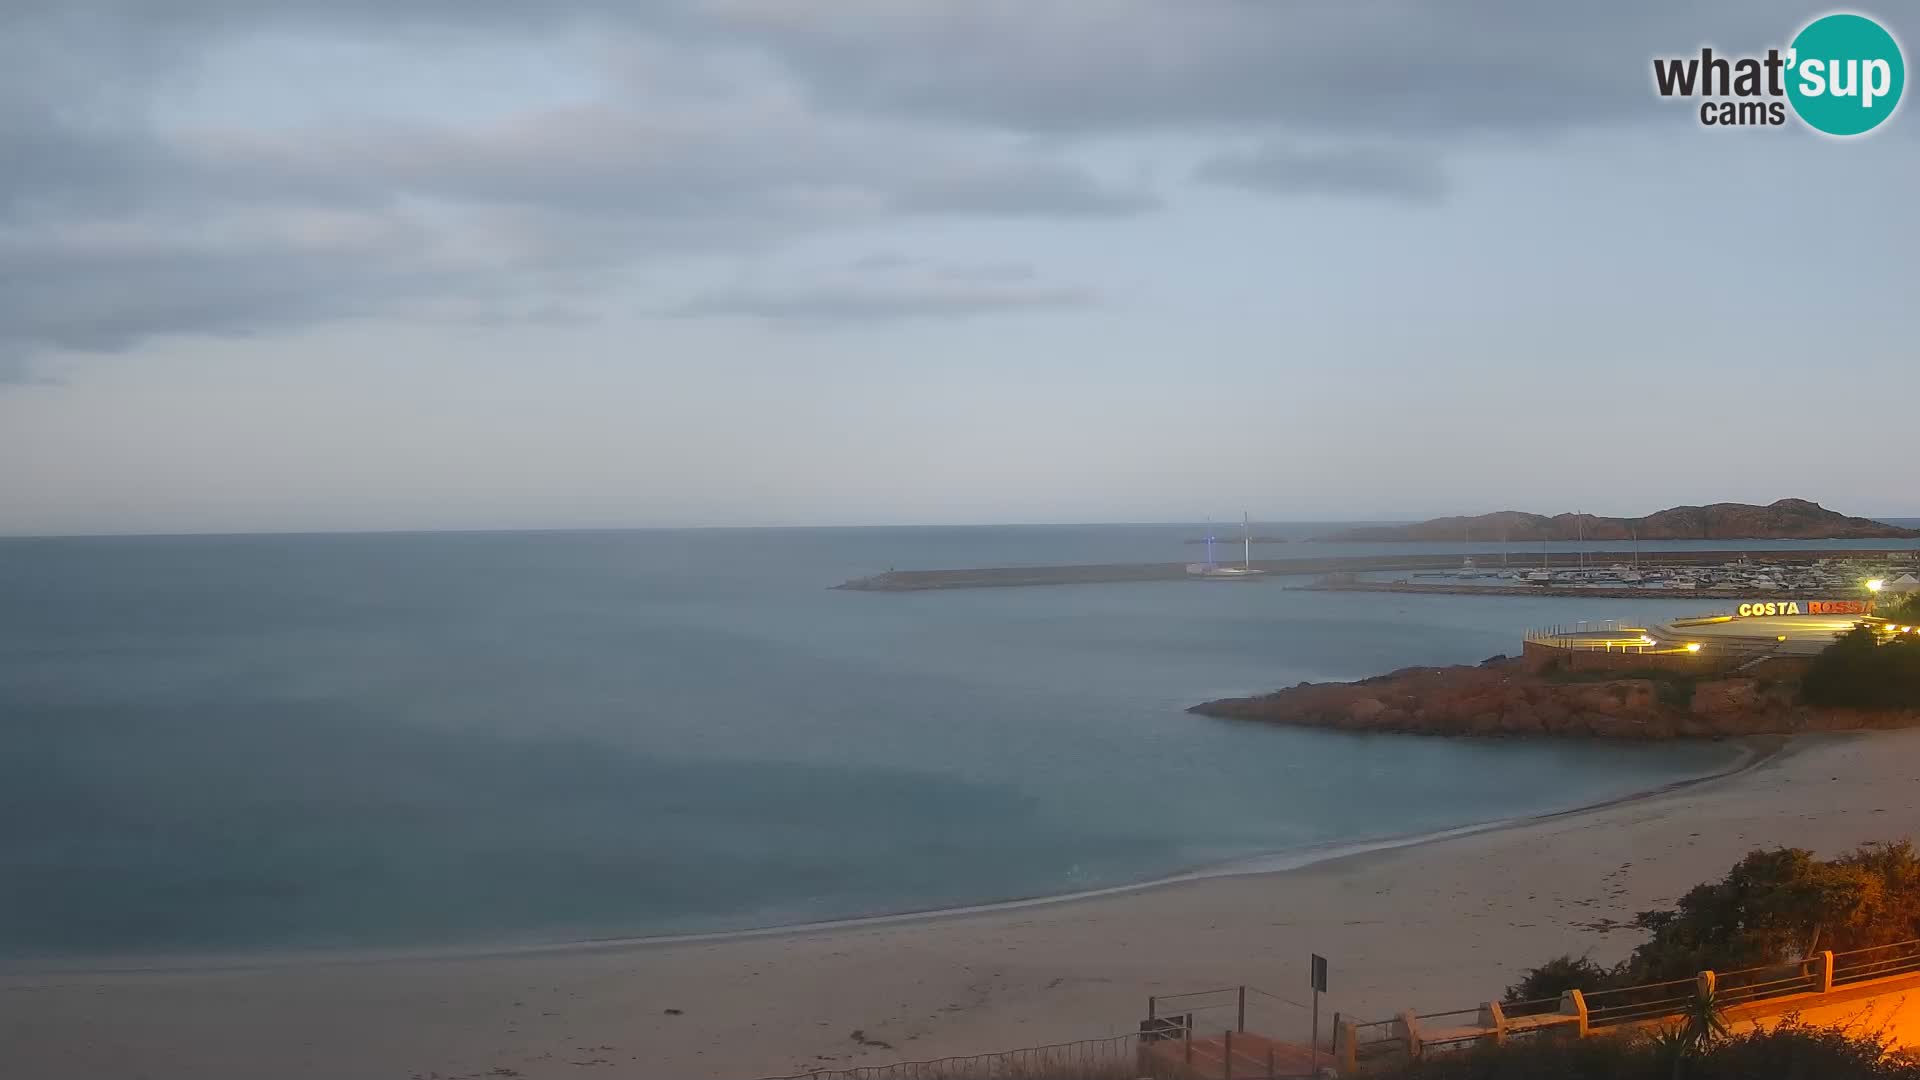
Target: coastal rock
x=1510 y=698
x=1725 y=697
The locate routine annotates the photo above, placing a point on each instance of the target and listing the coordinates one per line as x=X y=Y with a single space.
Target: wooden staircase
x=1238 y=1055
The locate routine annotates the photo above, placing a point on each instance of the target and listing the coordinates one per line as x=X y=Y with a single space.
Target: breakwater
x=1618 y=592
x=1005 y=576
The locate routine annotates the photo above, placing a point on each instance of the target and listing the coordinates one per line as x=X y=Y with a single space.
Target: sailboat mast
x=1246 y=554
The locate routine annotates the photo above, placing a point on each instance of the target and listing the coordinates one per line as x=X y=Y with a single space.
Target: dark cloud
x=1366 y=171
x=115 y=227
x=1329 y=66
x=729 y=125
x=870 y=303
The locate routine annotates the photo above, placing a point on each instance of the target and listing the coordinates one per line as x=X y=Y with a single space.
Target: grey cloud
x=16 y=371
x=897 y=263
x=880 y=110
x=1022 y=190
x=62 y=289
x=1121 y=65
x=1376 y=171
x=860 y=304
x=878 y=261
x=995 y=271
x=1332 y=66
x=112 y=230
x=624 y=160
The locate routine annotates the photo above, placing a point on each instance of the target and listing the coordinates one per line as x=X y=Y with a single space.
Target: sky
x=416 y=264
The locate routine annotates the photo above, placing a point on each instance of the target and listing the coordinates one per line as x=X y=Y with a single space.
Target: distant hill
x=1788 y=519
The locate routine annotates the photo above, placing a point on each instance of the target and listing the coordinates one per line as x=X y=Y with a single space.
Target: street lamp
x=1875 y=584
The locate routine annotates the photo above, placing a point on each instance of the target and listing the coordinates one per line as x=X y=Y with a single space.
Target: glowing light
x=1875 y=584
x=1694 y=646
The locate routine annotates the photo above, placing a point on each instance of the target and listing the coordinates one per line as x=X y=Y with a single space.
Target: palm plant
x=1700 y=1025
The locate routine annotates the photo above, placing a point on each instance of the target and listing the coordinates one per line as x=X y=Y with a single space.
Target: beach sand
x=1437 y=925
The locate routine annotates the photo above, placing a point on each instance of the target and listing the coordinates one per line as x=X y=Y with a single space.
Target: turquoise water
x=229 y=743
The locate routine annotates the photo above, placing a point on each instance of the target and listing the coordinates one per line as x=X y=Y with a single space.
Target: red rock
x=1505 y=697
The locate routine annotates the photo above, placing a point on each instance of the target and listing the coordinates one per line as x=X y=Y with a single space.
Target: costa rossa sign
x=1813 y=607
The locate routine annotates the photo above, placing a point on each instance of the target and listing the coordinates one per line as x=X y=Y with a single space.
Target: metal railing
x=1740 y=987
x=1241 y=1008
x=1585 y=627
x=1876 y=962
x=1453 y=1030
x=1230 y=1000
x=1521 y=1010
x=1626 y=1006
x=1379 y=1039
x=1244 y=1032
x=1631 y=1004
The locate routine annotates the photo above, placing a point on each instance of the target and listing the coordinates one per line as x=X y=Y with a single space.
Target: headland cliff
x=1515 y=697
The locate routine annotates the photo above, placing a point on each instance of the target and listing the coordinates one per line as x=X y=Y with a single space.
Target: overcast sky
x=341 y=264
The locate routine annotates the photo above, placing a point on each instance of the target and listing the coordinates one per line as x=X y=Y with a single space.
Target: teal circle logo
x=1845 y=74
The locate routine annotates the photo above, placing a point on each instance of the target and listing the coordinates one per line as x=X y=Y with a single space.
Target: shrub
x=1857 y=671
x=1537 y=1059
x=1557 y=976
x=1791 y=1051
x=1794 y=1051
x=1675 y=692
x=1771 y=906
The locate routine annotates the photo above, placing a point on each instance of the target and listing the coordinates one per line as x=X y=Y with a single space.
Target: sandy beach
x=1442 y=924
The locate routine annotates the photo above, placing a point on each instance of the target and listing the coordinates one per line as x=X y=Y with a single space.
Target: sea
x=222 y=745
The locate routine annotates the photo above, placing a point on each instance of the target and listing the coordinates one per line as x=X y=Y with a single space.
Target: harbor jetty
x=1327 y=567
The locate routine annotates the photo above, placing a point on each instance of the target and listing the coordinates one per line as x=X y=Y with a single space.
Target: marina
x=1658 y=574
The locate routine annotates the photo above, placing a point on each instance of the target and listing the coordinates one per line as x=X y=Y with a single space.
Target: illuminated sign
x=1814 y=607
x=1839 y=607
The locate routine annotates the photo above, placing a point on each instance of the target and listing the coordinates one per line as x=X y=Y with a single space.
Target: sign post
x=1319 y=979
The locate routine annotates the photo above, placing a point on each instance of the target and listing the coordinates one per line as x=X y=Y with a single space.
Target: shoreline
x=1441 y=924
x=1755 y=751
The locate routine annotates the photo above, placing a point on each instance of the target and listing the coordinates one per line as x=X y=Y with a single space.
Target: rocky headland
x=1513 y=697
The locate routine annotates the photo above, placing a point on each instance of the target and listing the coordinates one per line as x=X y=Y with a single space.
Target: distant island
x=1788 y=519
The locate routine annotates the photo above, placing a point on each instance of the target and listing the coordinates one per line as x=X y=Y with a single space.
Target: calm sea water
x=220 y=743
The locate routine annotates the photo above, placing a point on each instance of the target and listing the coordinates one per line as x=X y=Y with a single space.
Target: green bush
x=1540 y=1059
x=1791 y=1051
x=1772 y=906
x=1557 y=976
x=1675 y=692
x=1858 y=671
x=1906 y=609
x=1794 y=1051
